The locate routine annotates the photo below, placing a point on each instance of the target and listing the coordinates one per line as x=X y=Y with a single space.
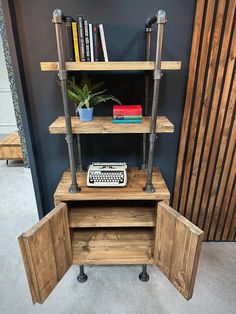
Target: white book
x=91 y=42
x=103 y=41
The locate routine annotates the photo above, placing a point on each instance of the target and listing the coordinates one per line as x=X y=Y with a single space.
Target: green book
x=126 y=121
x=127 y=117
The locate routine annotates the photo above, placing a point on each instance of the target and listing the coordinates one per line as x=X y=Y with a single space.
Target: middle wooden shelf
x=104 y=125
x=127 y=213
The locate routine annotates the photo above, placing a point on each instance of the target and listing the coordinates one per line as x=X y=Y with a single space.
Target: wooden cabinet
x=115 y=226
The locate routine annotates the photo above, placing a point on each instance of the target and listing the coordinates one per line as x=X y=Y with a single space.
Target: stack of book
x=127 y=114
x=85 y=41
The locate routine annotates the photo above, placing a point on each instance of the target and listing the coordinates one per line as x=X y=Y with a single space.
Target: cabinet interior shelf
x=113 y=214
x=111 y=66
x=104 y=125
x=112 y=246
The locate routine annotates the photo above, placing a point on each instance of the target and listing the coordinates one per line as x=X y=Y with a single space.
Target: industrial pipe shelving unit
x=150 y=125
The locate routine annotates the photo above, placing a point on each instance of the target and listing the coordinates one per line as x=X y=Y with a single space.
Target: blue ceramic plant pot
x=85 y=114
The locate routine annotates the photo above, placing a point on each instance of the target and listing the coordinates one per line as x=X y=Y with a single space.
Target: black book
x=69 y=39
x=87 y=41
x=81 y=38
x=95 y=42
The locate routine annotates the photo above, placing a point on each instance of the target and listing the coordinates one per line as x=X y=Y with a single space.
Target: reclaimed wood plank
x=104 y=125
x=113 y=246
x=133 y=191
x=112 y=216
x=111 y=66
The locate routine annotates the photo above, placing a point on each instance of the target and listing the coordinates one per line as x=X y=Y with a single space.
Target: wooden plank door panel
x=46 y=252
x=177 y=248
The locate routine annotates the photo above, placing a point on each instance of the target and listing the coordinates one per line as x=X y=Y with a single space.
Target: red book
x=127 y=110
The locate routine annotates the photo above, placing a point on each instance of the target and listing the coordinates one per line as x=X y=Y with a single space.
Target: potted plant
x=87 y=96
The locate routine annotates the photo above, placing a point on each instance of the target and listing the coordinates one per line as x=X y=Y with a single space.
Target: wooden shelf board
x=104 y=125
x=113 y=246
x=111 y=66
x=112 y=216
x=133 y=191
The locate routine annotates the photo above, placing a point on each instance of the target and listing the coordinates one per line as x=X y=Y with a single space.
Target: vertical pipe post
x=57 y=20
x=79 y=146
x=148 y=31
x=82 y=277
x=143 y=276
x=161 y=20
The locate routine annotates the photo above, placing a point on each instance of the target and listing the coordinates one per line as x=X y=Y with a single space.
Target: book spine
x=69 y=39
x=103 y=42
x=127 y=112
x=86 y=39
x=75 y=41
x=95 y=41
x=91 y=42
x=127 y=121
x=81 y=39
x=127 y=117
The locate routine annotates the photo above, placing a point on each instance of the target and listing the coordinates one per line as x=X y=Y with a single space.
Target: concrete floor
x=110 y=289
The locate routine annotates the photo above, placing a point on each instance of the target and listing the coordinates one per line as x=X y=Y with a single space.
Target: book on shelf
x=127 y=110
x=86 y=40
x=127 y=121
x=75 y=41
x=91 y=41
x=103 y=42
x=127 y=117
x=95 y=41
x=81 y=38
x=69 y=39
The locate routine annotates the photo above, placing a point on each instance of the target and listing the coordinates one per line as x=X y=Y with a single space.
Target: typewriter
x=109 y=174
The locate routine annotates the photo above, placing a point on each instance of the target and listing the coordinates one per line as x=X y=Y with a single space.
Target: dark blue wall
x=124 y=26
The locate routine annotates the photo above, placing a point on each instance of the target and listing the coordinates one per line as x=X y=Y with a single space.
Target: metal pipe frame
x=160 y=19
x=78 y=141
x=148 y=31
x=82 y=277
x=58 y=18
x=143 y=276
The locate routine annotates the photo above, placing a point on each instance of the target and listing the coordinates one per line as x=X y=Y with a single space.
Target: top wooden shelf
x=111 y=66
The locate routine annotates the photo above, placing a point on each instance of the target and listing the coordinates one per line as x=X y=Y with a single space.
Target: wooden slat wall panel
x=205 y=176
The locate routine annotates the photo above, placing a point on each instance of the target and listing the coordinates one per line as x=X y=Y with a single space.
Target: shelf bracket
x=58 y=18
x=160 y=19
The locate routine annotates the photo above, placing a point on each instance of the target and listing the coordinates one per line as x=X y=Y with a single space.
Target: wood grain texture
x=113 y=246
x=10 y=147
x=177 y=248
x=46 y=251
x=94 y=215
x=192 y=74
x=133 y=191
x=104 y=125
x=111 y=66
x=205 y=170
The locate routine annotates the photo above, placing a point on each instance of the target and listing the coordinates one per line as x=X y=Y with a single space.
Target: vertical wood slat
x=197 y=100
x=205 y=105
x=206 y=179
x=189 y=94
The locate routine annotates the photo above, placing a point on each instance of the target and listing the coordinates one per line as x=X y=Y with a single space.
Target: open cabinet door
x=46 y=252
x=177 y=248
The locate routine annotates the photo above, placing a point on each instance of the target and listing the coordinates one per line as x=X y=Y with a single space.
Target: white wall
x=7 y=115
